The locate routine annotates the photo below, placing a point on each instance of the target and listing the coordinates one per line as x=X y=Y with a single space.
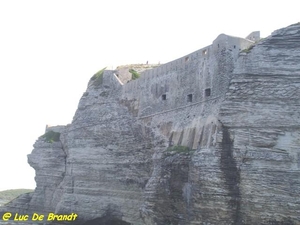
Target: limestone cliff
x=210 y=138
x=262 y=117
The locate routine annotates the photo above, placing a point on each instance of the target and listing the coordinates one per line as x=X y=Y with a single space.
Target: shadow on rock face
x=106 y=221
x=112 y=216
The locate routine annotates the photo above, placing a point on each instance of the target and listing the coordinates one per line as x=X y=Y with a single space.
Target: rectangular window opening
x=207 y=92
x=190 y=98
x=164 y=97
x=204 y=52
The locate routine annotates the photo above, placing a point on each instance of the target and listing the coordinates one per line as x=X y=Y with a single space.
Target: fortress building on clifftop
x=191 y=86
x=209 y=138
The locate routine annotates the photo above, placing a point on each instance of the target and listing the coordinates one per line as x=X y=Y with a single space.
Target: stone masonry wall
x=207 y=68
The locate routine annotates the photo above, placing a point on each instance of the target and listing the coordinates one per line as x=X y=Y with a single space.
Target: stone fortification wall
x=110 y=78
x=194 y=78
x=254 y=36
x=182 y=98
x=192 y=86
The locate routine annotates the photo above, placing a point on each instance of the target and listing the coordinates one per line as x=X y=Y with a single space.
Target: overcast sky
x=50 y=49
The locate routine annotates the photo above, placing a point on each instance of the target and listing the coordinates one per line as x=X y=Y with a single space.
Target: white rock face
x=241 y=161
x=262 y=114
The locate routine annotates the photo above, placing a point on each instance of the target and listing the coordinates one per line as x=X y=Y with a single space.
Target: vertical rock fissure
x=64 y=150
x=188 y=203
x=231 y=175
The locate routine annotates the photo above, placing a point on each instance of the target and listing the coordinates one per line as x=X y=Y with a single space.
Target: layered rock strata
x=210 y=138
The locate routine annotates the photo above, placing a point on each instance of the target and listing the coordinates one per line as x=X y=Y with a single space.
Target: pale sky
x=50 y=49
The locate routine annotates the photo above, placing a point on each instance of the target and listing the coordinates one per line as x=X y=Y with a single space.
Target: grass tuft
x=97 y=79
x=51 y=136
x=135 y=74
x=178 y=149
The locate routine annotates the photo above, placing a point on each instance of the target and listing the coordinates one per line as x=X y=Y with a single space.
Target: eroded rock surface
x=234 y=105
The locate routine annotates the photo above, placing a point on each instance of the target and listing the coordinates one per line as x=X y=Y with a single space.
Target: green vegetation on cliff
x=97 y=79
x=8 y=195
x=135 y=74
x=51 y=136
x=178 y=149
